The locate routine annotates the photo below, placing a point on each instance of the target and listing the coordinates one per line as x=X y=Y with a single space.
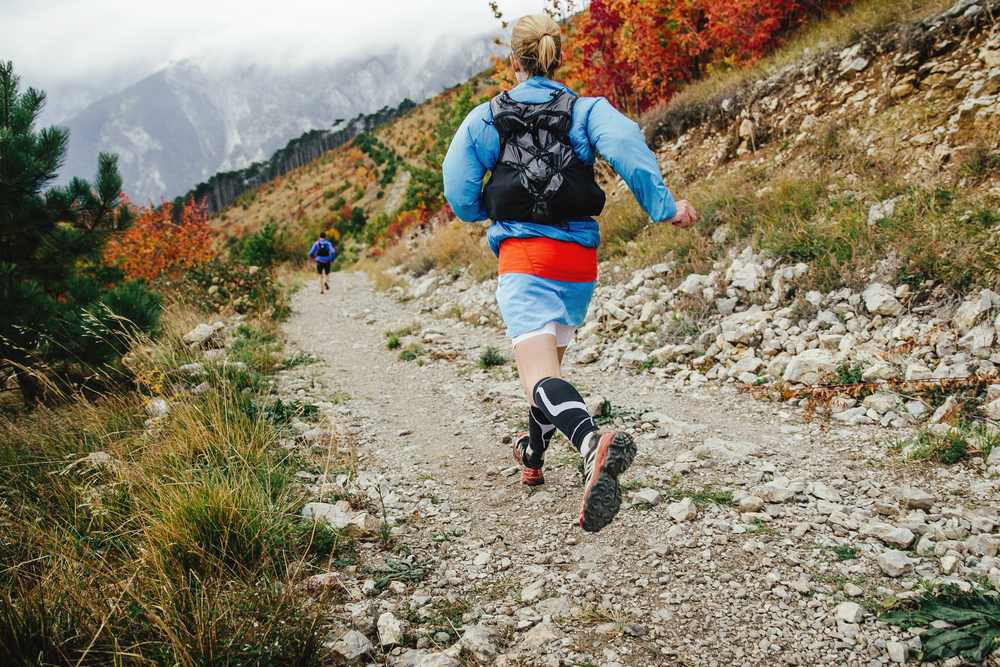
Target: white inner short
x=563 y=334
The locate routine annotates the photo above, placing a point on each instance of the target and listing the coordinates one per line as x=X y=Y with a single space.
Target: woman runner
x=539 y=141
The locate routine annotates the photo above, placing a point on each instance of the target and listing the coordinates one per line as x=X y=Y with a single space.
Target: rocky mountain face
x=188 y=121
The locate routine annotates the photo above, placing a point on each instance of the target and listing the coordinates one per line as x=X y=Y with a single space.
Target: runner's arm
x=619 y=140
x=472 y=152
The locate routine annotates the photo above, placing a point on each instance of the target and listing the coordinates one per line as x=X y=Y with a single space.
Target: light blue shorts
x=528 y=302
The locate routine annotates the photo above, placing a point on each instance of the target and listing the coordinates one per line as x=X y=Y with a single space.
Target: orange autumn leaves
x=157 y=245
x=636 y=52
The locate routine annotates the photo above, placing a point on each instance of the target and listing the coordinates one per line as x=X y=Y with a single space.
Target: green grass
x=702 y=499
x=950 y=447
x=491 y=357
x=411 y=352
x=445 y=616
x=173 y=550
x=846 y=552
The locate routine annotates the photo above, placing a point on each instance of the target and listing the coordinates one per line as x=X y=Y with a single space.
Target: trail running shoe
x=602 y=494
x=529 y=476
x=326 y=285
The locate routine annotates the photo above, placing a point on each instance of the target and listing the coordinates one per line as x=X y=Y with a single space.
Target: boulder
x=894 y=563
x=915 y=499
x=352 y=646
x=806 y=368
x=877 y=372
x=390 y=630
x=480 y=641
x=850 y=612
x=647 y=496
x=881 y=300
x=439 y=660
x=362 y=525
x=334 y=515
x=532 y=591
x=555 y=607
x=892 y=535
x=685 y=510
x=947 y=411
x=206 y=335
x=774 y=493
x=981 y=545
x=898 y=652
x=541 y=635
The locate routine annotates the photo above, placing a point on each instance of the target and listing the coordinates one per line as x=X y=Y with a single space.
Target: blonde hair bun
x=536 y=42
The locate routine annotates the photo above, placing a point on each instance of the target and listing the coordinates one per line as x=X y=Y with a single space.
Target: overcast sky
x=78 y=50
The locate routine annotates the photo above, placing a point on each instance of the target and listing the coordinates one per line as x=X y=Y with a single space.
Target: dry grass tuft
x=166 y=543
x=451 y=248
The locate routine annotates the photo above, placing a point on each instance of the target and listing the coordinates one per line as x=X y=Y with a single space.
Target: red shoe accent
x=529 y=476
x=532 y=477
x=600 y=456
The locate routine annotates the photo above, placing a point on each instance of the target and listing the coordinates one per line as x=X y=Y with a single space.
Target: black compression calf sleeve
x=562 y=404
x=540 y=431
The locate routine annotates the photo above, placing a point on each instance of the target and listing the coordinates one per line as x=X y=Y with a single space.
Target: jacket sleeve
x=465 y=165
x=619 y=140
x=312 y=250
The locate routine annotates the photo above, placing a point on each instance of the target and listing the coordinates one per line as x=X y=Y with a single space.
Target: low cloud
x=66 y=44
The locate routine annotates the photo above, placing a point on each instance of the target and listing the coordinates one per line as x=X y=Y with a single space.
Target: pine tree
x=61 y=312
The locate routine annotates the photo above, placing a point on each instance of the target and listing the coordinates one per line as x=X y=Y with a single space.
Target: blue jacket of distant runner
x=314 y=251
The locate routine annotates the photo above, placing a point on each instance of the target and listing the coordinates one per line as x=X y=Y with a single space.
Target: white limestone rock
x=806 y=368
x=881 y=300
x=352 y=646
x=685 y=510
x=894 y=563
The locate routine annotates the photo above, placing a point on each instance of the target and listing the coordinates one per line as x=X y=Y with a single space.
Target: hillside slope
x=846 y=247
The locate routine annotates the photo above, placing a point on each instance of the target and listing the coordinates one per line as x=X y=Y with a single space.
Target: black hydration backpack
x=324 y=249
x=538 y=178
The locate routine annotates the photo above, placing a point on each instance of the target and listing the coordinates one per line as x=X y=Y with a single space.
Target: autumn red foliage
x=157 y=245
x=637 y=52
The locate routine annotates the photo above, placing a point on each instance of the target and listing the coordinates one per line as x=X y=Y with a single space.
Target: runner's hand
x=685 y=216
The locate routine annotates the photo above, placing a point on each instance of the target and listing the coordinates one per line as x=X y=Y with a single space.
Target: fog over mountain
x=186 y=122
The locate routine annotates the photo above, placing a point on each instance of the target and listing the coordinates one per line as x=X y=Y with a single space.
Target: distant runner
x=324 y=253
x=540 y=140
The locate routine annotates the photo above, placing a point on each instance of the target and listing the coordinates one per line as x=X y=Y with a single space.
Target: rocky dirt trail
x=753 y=537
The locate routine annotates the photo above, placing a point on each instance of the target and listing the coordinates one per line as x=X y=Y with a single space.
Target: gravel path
x=784 y=568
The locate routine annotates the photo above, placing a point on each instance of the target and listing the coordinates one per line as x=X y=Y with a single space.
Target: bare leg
x=320 y=282
x=538 y=357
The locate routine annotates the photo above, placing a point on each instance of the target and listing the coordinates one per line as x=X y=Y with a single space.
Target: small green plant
x=849 y=372
x=972 y=619
x=393 y=342
x=385 y=536
x=411 y=352
x=491 y=357
x=395 y=570
x=846 y=552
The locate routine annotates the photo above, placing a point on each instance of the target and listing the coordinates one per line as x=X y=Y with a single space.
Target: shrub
x=60 y=306
x=244 y=289
x=491 y=357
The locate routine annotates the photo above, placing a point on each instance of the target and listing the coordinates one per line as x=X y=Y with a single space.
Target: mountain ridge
x=181 y=125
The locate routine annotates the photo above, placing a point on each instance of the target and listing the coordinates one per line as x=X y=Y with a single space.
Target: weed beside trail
x=129 y=541
x=491 y=357
x=971 y=625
